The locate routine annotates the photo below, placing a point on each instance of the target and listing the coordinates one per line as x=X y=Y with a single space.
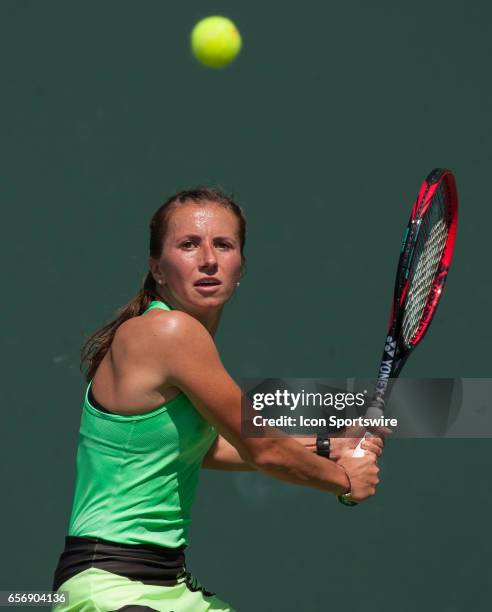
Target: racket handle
x=375 y=411
x=347 y=502
x=358 y=450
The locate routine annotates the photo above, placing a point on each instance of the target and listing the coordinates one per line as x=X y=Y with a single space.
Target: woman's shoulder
x=158 y=328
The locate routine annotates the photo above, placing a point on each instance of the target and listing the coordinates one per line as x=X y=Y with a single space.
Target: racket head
x=424 y=262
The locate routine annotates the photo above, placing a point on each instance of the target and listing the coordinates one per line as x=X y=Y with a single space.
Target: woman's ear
x=243 y=270
x=156 y=272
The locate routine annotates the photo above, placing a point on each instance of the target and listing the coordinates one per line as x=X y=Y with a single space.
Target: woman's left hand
x=339 y=445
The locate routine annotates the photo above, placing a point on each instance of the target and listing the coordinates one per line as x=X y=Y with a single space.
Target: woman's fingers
x=373 y=445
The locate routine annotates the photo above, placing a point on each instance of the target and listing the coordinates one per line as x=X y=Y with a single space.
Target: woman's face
x=200 y=262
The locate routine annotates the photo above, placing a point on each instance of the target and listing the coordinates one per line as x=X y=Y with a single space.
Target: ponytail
x=97 y=345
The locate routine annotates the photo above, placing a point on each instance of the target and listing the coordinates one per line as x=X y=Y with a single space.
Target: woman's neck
x=209 y=319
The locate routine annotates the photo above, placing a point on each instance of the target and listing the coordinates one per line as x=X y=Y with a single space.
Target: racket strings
x=429 y=248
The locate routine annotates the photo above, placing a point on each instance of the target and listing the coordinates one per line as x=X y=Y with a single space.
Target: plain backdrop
x=323 y=129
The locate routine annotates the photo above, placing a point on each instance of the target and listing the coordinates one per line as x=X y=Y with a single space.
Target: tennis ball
x=215 y=41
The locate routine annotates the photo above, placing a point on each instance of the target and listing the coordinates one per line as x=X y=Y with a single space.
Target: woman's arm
x=223 y=456
x=191 y=363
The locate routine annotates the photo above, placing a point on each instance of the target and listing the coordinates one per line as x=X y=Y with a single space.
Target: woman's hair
x=98 y=344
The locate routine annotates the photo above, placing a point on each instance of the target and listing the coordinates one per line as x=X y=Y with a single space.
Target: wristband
x=323 y=446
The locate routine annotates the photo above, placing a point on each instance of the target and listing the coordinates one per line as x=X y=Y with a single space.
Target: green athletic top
x=137 y=475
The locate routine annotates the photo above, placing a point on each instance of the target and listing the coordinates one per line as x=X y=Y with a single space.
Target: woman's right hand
x=363 y=474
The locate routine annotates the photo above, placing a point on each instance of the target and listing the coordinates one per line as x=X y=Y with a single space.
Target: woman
x=158 y=406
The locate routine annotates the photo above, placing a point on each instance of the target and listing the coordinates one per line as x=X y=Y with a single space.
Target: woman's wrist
x=347 y=487
x=323 y=448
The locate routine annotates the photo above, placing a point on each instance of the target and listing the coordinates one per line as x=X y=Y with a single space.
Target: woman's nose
x=208 y=257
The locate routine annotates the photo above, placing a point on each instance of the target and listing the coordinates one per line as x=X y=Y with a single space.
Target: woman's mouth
x=207 y=285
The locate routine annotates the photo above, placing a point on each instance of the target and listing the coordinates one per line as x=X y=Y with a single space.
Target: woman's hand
x=351 y=438
x=362 y=472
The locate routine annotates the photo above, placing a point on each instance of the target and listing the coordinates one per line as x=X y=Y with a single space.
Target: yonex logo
x=390 y=346
x=384 y=374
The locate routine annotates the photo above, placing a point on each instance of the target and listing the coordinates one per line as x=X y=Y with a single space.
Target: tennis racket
x=423 y=266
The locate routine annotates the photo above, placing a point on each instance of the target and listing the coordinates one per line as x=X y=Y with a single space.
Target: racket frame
x=396 y=351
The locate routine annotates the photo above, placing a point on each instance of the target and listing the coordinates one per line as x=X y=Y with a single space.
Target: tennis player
x=159 y=405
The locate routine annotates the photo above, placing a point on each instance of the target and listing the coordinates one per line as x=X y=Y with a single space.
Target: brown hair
x=97 y=345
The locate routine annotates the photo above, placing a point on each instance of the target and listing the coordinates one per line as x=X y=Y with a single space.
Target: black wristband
x=323 y=446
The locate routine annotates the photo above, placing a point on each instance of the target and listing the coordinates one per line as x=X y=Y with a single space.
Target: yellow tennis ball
x=215 y=41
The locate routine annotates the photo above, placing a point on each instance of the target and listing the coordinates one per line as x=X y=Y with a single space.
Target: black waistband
x=149 y=564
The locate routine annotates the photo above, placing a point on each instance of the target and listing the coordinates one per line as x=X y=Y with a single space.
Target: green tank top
x=137 y=475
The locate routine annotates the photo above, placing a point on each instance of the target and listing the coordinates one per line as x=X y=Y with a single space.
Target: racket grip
x=375 y=410
x=347 y=502
x=358 y=450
